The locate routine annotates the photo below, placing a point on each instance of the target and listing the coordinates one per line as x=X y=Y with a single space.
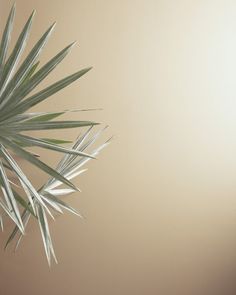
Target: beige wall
x=160 y=204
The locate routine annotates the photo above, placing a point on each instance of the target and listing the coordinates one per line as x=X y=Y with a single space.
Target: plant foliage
x=21 y=200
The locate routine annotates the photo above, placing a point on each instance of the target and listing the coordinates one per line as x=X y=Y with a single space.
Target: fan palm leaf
x=17 y=80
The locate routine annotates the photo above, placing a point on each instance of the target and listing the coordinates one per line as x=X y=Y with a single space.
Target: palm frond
x=51 y=192
x=6 y=37
x=18 y=78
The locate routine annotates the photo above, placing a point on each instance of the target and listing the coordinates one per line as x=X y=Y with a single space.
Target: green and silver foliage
x=22 y=200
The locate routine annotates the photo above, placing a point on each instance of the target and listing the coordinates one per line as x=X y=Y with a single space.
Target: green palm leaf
x=5 y=42
x=44 y=94
x=18 y=78
x=27 y=86
x=27 y=66
x=13 y=60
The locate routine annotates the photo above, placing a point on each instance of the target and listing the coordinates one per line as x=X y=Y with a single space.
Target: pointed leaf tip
x=33 y=13
x=53 y=25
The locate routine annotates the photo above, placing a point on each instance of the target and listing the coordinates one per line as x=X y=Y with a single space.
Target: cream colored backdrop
x=160 y=203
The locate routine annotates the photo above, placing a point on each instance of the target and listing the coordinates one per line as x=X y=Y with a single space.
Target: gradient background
x=160 y=204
